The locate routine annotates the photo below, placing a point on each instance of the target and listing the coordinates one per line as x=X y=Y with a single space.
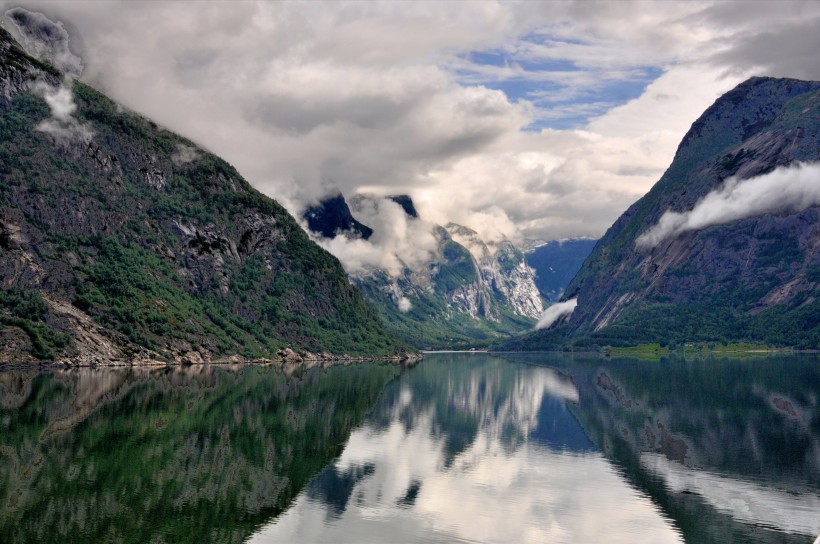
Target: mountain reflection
x=472 y=448
x=463 y=447
x=195 y=454
x=728 y=448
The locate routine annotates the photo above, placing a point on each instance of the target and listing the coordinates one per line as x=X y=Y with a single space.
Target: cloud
x=503 y=468
x=791 y=188
x=184 y=154
x=555 y=312
x=46 y=39
x=393 y=98
x=62 y=125
x=398 y=241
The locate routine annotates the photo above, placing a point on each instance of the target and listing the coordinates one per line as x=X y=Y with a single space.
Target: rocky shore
x=287 y=359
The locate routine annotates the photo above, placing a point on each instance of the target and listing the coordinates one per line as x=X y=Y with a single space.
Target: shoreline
x=287 y=360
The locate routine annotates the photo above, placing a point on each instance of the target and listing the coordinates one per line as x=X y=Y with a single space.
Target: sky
x=524 y=120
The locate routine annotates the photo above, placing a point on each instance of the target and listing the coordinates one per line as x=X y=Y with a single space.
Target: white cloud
x=184 y=154
x=555 y=312
x=503 y=470
x=792 y=188
x=62 y=125
x=385 y=98
x=405 y=305
x=398 y=241
x=46 y=39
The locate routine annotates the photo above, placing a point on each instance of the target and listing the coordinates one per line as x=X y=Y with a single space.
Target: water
x=461 y=448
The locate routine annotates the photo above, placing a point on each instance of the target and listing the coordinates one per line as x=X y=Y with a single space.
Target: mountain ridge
x=717 y=283
x=467 y=292
x=121 y=241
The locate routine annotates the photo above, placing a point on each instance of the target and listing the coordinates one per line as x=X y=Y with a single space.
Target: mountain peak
x=406 y=203
x=332 y=216
x=723 y=247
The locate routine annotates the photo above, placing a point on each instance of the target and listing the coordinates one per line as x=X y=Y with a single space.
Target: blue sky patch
x=564 y=94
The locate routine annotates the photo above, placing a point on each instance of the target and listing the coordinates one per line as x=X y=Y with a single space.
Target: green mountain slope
x=463 y=298
x=119 y=239
x=751 y=279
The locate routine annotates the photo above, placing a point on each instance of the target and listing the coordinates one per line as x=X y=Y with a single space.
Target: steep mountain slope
x=119 y=239
x=752 y=276
x=467 y=294
x=555 y=263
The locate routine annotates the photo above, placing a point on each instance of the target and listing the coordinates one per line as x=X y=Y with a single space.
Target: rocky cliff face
x=332 y=217
x=748 y=276
x=502 y=269
x=119 y=239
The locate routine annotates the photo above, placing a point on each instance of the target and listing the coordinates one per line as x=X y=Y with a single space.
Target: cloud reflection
x=746 y=501
x=499 y=485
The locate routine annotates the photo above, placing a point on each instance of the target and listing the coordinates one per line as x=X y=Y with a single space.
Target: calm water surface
x=461 y=448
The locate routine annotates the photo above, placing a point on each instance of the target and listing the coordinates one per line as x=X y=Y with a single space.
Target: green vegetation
x=174 y=256
x=137 y=456
x=753 y=417
x=27 y=311
x=673 y=326
x=752 y=281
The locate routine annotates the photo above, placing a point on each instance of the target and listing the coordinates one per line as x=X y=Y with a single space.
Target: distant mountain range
x=724 y=248
x=555 y=263
x=120 y=240
x=468 y=294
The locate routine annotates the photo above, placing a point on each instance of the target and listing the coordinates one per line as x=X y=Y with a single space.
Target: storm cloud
x=791 y=188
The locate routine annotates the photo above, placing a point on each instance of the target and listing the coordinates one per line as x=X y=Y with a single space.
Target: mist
x=791 y=188
x=184 y=154
x=62 y=125
x=398 y=241
x=46 y=40
x=555 y=312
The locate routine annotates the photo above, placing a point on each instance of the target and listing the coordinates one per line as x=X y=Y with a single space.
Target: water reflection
x=727 y=448
x=472 y=448
x=193 y=454
x=532 y=448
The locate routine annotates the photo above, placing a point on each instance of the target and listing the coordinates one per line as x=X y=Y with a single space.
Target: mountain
x=724 y=247
x=406 y=204
x=122 y=240
x=332 y=216
x=468 y=294
x=555 y=263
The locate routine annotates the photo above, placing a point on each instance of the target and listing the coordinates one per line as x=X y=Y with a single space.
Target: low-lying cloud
x=398 y=241
x=62 y=125
x=46 y=39
x=399 y=98
x=555 y=312
x=791 y=188
x=184 y=154
x=49 y=41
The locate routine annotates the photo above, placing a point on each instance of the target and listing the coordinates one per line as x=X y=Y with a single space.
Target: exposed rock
x=752 y=279
x=406 y=204
x=106 y=258
x=290 y=356
x=332 y=217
